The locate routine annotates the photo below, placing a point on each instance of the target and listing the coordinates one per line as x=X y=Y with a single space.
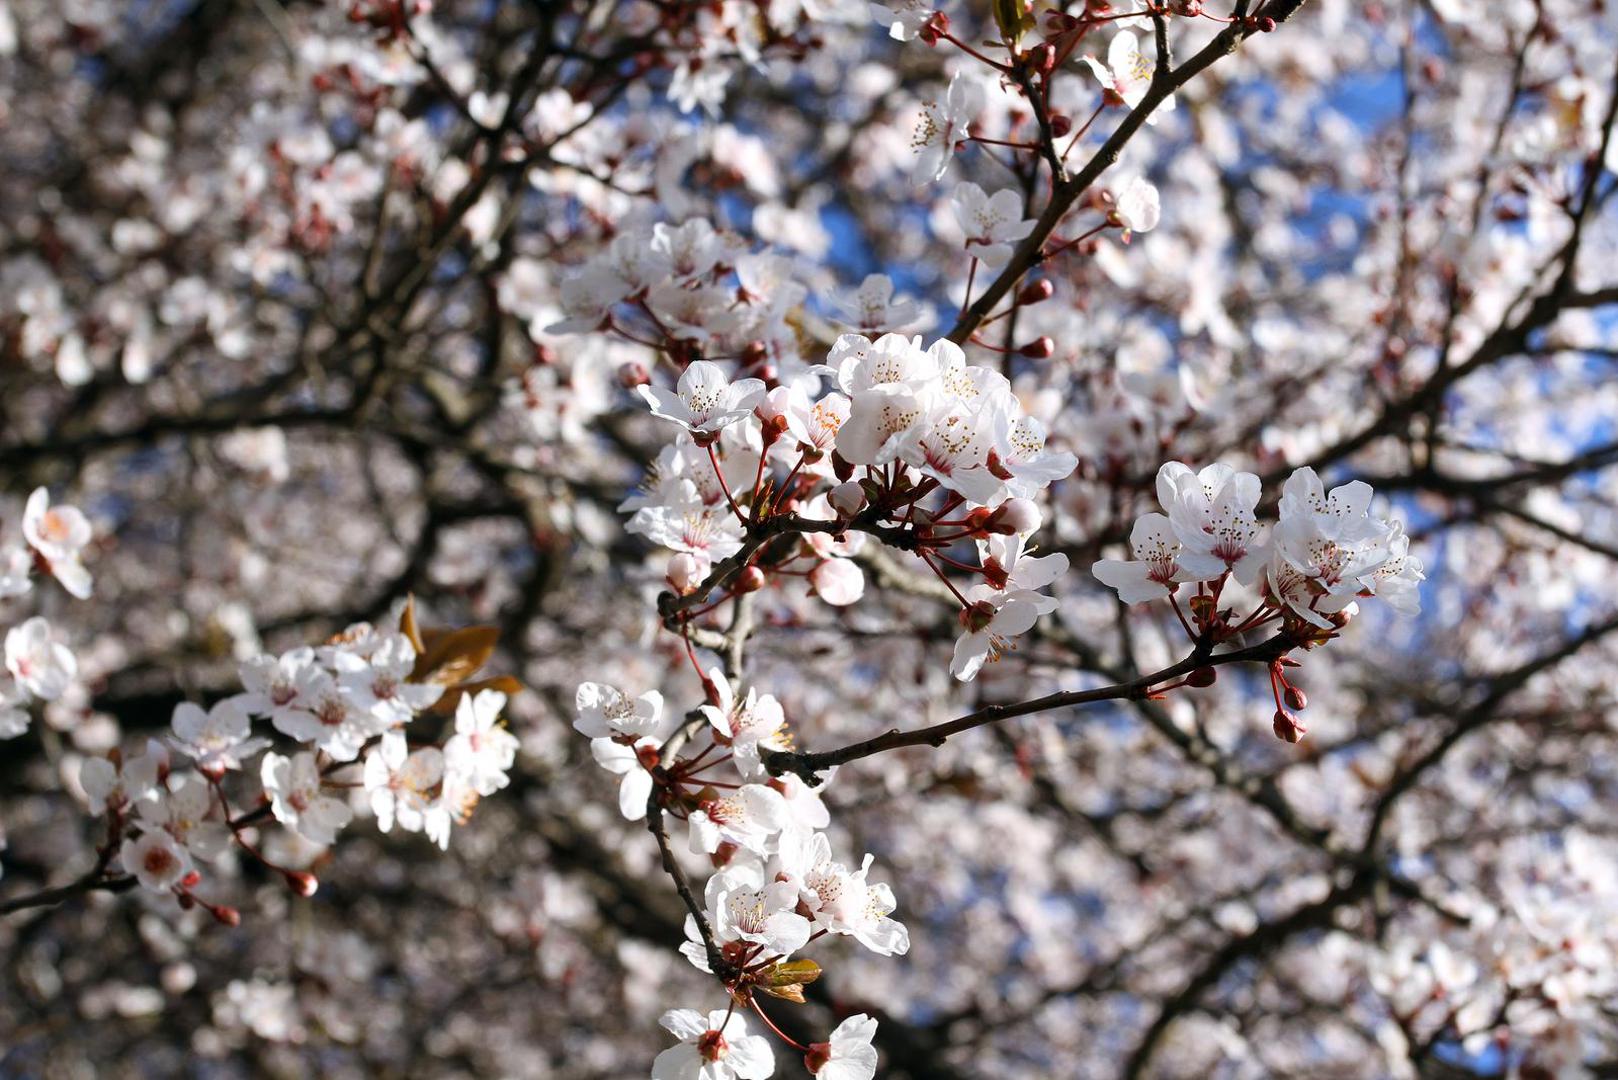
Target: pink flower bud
x=1018 y=516
x=1036 y=292
x=1287 y=728
x=632 y=375
x=686 y=572
x=749 y=580
x=302 y=882
x=847 y=498
x=1038 y=349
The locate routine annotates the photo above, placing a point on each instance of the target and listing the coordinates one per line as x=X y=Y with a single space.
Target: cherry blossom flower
x=903 y=18
x=59 y=534
x=587 y=300
x=943 y=124
x=297 y=801
x=838 y=899
x=847 y=1054
x=402 y=783
x=1138 y=209
x=952 y=445
x=748 y=817
x=632 y=761
x=157 y=862
x=716 y=1047
x=1331 y=541
x=746 y=907
x=641 y=261
x=377 y=684
x=1398 y=580
x=805 y=808
x=1154 y=572
x=1020 y=455
x=872 y=307
x=751 y=724
x=689 y=250
x=218 y=739
x=332 y=722
x=709 y=533
x=706 y=400
x=881 y=421
x=1127 y=74
x=40 y=664
x=997 y=613
x=481 y=752
x=813 y=426
x=115 y=786
x=1212 y=513
x=278 y=687
x=992 y=223
x=183 y=809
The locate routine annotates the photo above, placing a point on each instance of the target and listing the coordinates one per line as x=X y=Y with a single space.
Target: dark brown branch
x=810 y=765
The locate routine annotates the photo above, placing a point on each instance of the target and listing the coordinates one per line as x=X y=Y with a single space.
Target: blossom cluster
x=1325 y=552
x=778 y=887
x=39 y=666
x=903 y=425
x=352 y=709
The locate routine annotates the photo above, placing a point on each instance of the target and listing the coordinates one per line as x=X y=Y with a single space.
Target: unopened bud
x=1202 y=676
x=686 y=572
x=633 y=374
x=1061 y=124
x=1287 y=727
x=1042 y=57
x=1265 y=24
x=191 y=880
x=229 y=916
x=847 y=498
x=841 y=467
x=749 y=580
x=773 y=429
x=1295 y=698
x=1018 y=516
x=1036 y=292
x=1038 y=349
x=302 y=882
